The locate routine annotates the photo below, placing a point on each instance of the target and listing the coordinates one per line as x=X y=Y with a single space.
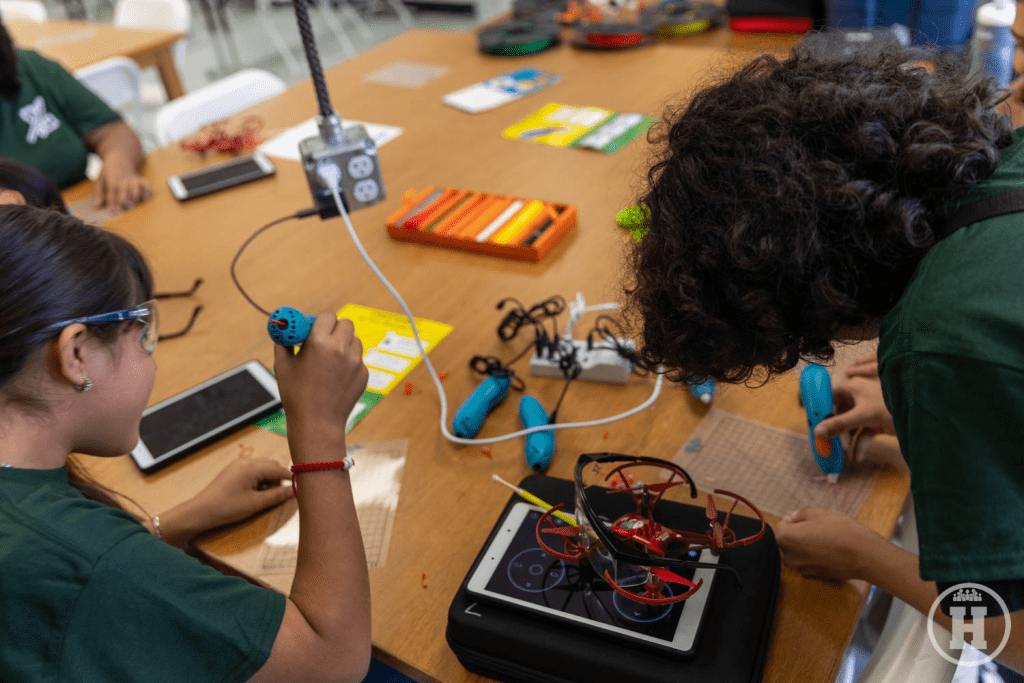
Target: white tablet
x=517 y=572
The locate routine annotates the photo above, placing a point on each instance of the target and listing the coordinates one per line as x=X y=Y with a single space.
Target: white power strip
x=599 y=364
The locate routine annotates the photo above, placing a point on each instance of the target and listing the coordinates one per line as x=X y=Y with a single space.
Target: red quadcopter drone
x=619 y=500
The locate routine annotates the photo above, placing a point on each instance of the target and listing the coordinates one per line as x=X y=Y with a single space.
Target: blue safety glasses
x=144 y=313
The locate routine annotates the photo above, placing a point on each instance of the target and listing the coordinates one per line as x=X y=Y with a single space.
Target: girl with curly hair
x=814 y=200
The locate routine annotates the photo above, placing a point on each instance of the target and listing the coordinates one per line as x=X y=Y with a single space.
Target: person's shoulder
x=66 y=524
x=42 y=73
x=33 y=61
x=963 y=298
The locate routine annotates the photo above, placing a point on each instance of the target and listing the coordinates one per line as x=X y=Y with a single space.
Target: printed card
x=500 y=90
x=562 y=125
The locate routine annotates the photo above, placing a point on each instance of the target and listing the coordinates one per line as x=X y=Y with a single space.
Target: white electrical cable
x=333 y=182
x=576 y=310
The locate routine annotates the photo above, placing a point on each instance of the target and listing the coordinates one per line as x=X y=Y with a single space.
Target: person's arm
x=325 y=633
x=823 y=544
x=119 y=185
x=895 y=571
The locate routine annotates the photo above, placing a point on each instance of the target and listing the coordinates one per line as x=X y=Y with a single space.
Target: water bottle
x=850 y=14
x=993 y=44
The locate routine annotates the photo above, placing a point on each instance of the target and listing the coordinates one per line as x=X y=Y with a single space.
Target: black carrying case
x=515 y=646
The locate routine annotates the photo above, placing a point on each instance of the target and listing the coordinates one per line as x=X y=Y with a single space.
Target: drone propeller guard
x=651 y=550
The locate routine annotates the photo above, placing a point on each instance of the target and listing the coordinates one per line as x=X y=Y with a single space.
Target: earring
x=84 y=386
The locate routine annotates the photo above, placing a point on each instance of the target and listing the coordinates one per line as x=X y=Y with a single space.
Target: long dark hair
x=794 y=200
x=10 y=84
x=54 y=267
x=37 y=187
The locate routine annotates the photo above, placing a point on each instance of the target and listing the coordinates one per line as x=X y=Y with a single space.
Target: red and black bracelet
x=345 y=463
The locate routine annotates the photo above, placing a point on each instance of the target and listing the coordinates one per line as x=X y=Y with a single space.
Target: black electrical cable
x=493 y=367
x=305 y=213
x=316 y=71
x=546 y=346
x=552 y=418
x=602 y=330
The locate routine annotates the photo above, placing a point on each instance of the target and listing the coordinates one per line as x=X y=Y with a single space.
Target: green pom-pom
x=634 y=219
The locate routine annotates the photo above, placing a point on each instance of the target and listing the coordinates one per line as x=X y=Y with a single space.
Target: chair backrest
x=117 y=81
x=23 y=10
x=172 y=15
x=213 y=102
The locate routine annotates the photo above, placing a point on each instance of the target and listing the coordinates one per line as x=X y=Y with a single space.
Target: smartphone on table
x=220 y=176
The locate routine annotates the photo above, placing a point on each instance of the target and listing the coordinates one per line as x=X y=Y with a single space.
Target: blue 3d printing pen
x=289 y=327
x=816 y=391
x=540 y=446
x=470 y=417
x=704 y=391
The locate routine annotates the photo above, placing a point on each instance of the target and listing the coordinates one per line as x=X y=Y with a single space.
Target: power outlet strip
x=599 y=364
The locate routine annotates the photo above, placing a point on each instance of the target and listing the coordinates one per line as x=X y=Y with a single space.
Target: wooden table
x=80 y=43
x=448 y=503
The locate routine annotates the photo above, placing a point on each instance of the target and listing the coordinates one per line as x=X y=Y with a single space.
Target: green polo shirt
x=951 y=359
x=88 y=594
x=44 y=126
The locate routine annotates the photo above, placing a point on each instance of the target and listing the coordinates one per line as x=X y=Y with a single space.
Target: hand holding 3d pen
x=330 y=349
x=853 y=408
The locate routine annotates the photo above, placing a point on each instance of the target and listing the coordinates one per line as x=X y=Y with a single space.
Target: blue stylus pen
x=470 y=416
x=816 y=392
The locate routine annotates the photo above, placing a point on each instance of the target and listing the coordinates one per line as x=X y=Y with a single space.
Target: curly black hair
x=794 y=199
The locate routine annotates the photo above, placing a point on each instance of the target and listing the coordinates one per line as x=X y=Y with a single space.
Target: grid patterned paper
x=376 y=479
x=771 y=467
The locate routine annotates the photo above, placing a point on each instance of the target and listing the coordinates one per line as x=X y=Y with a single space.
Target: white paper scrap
x=285 y=145
x=407 y=74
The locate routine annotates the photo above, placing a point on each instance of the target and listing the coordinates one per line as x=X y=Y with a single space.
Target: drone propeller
x=652 y=593
x=671 y=577
x=664 y=486
x=718 y=535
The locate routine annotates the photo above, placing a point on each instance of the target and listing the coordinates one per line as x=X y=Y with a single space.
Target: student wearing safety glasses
x=90 y=593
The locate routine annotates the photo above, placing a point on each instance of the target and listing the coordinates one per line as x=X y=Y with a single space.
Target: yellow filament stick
x=529 y=497
x=521 y=224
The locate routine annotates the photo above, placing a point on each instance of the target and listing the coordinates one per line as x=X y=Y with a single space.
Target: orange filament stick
x=493 y=210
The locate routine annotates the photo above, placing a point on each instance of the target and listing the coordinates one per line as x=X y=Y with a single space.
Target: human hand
x=320 y=384
x=823 y=544
x=858 y=403
x=863 y=366
x=239 y=491
x=119 y=187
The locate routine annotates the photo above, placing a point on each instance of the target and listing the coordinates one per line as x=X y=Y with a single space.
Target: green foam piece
x=634 y=219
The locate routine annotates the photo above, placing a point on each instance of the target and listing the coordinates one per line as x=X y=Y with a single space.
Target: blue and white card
x=500 y=90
